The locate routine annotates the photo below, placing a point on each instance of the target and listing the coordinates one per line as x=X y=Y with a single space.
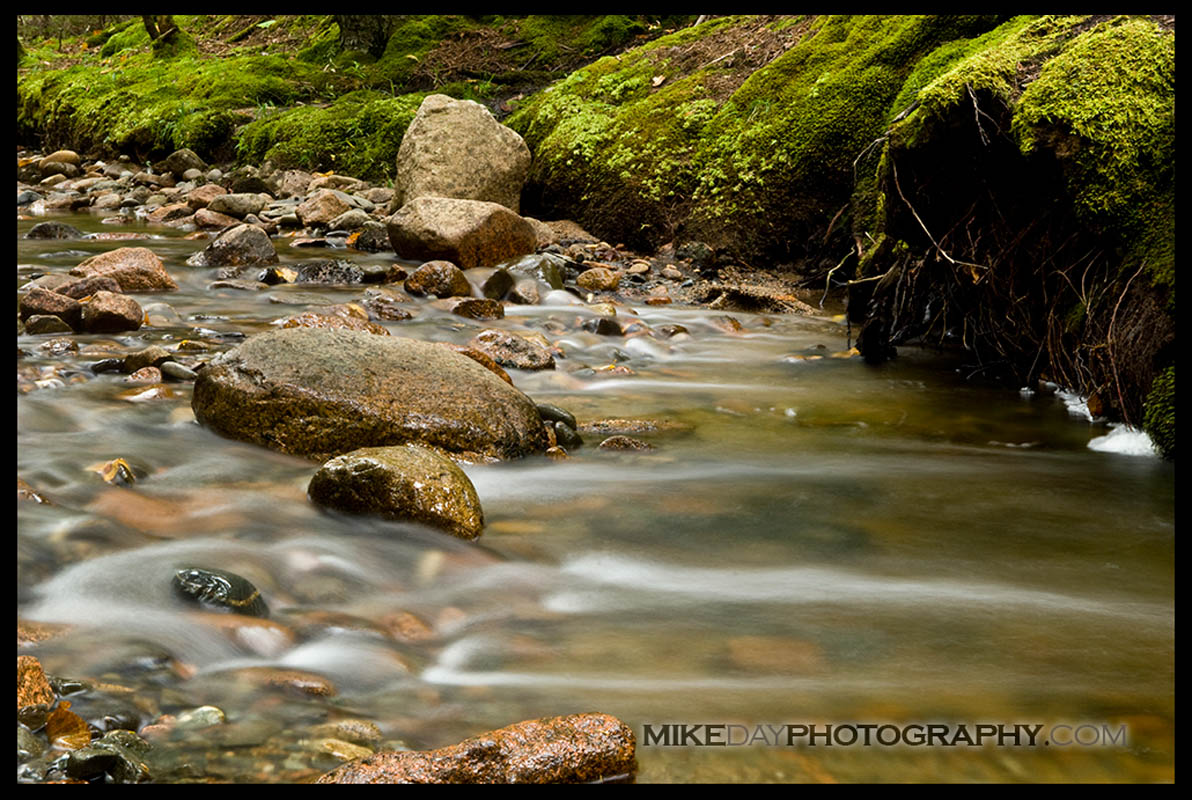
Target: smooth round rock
x=321 y=393
x=408 y=482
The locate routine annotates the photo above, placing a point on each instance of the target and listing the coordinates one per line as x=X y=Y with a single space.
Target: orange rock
x=32 y=686
x=579 y=748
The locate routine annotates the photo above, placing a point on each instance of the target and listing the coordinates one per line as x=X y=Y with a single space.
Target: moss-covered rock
x=1159 y=419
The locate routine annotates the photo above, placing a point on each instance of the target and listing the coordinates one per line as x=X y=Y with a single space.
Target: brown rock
x=384 y=304
x=38 y=301
x=235 y=247
x=624 y=443
x=89 y=286
x=598 y=279
x=511 y=350
x=170 y=213
x=321 y=393
x=206 y=218
x=322 y=206
x=472 y=307
x=480 y=358
x=579 y=748
x=292 y=680
x=309 y=319
x=468 y=233
x=45 y=323
x=34 y=632
x=107 y=312
x=33 y=689
x=403 y=483
x=440 y=278
x=136 y=269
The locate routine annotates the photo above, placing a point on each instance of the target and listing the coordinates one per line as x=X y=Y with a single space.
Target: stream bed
x=812 y=541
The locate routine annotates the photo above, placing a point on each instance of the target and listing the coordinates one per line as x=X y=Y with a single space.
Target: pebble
x=201 y=717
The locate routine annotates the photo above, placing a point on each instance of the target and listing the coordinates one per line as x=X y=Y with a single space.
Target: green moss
x=1159 y=415
x=130 y=35
x=358 y=135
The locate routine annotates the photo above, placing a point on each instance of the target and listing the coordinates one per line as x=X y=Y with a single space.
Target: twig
x=720 y=58
x=941 y=250
x=1117 y=384
x=828 y=279
x=977 y=115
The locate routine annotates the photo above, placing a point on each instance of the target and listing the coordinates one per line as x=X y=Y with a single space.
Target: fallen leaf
x=658 y=79
x=67 y=730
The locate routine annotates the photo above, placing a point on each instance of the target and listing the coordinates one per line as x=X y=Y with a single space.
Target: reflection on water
x=815 y=540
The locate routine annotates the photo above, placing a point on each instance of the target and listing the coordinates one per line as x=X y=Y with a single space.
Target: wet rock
x=178 y=372
x=107 y=312
x=322 y=206
x=43 y=302
x=546 y=267
x=89 y=286
x=264 y=637
x=206 y=218
x=511 y=350
x=26 y=197
x=136 y=269
x=219 y=590
x=456 y=149
x=199 y=718
x=44 y=323
x=170 y=213
x=409 y=482
x=480 y=358
x=598 y=279
x=53 y=230
x=310 y=319
x=202 y=196
x=524 y=292
x=350 y=220
x=238 y=205
x=321 y=393
x=239 y=246
x=152 y=356
x=609 y=427
x=29 y=745
x=342 y=750
x=356 y=731
x=580 y=748
x=567 y=437
x=109 y=760
x=603 y=326
x=372 y=237
x=468 y=233
x=620 y=442
x=382 y=304
x=472 y=307
x=60 y=157
x=33 y=689
x=145 y=375
x=330 y=271
x=295 y=681
x=552 y=413
x=440 y=278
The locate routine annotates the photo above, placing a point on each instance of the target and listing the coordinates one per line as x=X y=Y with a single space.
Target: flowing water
x=818 y=541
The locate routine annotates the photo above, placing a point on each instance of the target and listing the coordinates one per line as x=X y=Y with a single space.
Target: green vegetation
x=1159 y=421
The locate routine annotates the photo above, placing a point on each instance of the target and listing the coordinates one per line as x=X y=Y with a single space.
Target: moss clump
x=357 y=135
x=1159 y=417
x=129 y=35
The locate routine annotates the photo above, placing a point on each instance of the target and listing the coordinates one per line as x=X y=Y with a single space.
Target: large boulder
x=136 y=269
x=468 y=233
x=409 y=482
x=578 y=748
x=321 y=393
x=454 y=148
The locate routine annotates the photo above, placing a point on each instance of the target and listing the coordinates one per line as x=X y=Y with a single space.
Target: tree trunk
x=158 y=25
x=368 y=32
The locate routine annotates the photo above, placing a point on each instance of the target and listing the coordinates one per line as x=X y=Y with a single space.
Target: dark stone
x=330 y=271
x=53 y=230
x=89 y=286
x=38 y=302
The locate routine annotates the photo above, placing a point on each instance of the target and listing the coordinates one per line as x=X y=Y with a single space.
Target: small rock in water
x=440 y=278
x=511 y=350
x=580 y=748
x=219 y=590
x=624 y=443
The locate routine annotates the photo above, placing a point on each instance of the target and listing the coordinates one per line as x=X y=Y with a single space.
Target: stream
x=813 y=540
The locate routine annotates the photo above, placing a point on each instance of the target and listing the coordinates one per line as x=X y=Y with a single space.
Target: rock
x=408 y=482
x=220 y=591
x=206 y=218
x=239 y=246
x=238 y=205
x=356 y=731
x=383 y=304
x=294 y=183
x=481 y=359
x=350 y=220
x=295 y=681
x=178 y=372
x=38 y=302
x=468 y=233
x=201 y=717
x=170 y=213
x=567 y=437
x=53 y=230
x=43 y=323
x=579 y=748
x=107 y=758
x=343 y=183
x=472 y=307
x=152 y=356
x=89 y=286
x=494 y=284
x=136 y=269
x=322 y=206
x=440 y=278
x=330 y=271
x=598 y=279
x=456 y=149
x=372 y=238
x=33 y=688
x=524 y=292
x=511 y=350
x=202 y=196
x=61 y=156
x=624 y=443
x=608 y=427
x=310 y=319
x=320 y=393
x=181 y=160
x=107 y=312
